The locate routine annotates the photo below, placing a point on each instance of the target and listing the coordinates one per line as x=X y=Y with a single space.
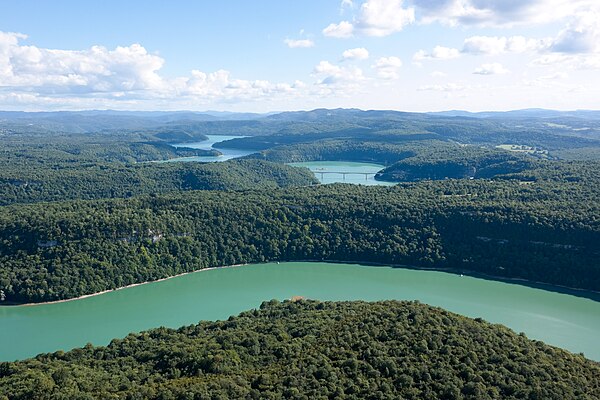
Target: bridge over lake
x=344 y=173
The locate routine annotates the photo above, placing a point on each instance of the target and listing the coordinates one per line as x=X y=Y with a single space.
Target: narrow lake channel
x=558 y=319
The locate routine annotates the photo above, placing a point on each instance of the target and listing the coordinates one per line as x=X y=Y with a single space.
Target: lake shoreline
x=85 y=296
x=584 y=293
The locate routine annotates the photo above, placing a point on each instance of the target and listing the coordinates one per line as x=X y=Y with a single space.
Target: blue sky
x=415 y=55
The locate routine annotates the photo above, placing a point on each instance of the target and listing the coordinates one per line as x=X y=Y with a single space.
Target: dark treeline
x=546 y=231
x=313 y=350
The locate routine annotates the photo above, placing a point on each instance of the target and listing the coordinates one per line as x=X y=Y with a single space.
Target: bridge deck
x=344 y=173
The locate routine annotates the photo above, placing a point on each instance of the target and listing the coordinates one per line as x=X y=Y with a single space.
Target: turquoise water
x=559 y=319
x=324 y=171
x=228 y=154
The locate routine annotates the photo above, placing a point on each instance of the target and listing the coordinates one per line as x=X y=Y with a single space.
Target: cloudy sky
x=274 y=55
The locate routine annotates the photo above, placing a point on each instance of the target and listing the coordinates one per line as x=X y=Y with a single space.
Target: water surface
x=332 y=172
x=228 y=154
x=558 y=319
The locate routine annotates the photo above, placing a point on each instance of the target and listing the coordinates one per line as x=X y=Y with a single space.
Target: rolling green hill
x=310 y=350
x=543 y=231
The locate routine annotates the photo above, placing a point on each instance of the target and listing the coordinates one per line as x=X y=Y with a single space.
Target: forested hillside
x=554 y=133
x=111 y=180
x=544 y=231
x=344 y=150
x=536 y=220
x=411 y=160
x=309 y=350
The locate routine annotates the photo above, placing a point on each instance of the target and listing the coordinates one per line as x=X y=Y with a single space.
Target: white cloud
x=438 y=53
x=499 y=13
x=376 y=18
x=521 y=44
x=387 y=67
x=126 y=74
x=491 y=69
x=554 y=80
x=438 y=74
x=299 y=43
x=568 y=61
x=492 y=45
x=359 y=53
x=97 y=69
x=384 y=17
x=334 y=76
x=582 y=35
x=327 y=68
x=342 y=30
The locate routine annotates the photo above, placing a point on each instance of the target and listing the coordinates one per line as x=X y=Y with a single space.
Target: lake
x=325 y=171
x=329 y=172
x=559 y=319
x=228 y=154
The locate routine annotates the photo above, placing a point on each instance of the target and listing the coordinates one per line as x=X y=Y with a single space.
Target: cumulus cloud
x=299 y=43
x=499 y=13
x=387 y=67
x=582 y=35
x=492 y=45
x=334 y=76
x=97 y=69
x=375 y=18
x=491 y=69
x=126 y=73
x=438 y=53
x=342 y=30
x=359 y=53
x=384 y=17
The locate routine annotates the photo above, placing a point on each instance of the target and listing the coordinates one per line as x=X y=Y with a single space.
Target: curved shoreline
x=85 y=296
x=584 y=293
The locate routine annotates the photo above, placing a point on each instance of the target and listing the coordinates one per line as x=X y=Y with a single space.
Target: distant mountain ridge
x=524 y=113
x=305 y=114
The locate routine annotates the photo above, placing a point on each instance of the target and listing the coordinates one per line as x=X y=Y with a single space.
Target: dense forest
x=109 y=180
x=547 y=231
x=565 y=135
x=574 y=135
x=411 y=160
x=477 y=194
x=313 y=350
x=114 y=219
x=345 y=150
x=459 y=162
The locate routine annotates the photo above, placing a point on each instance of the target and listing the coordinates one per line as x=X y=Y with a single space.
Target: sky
x=277 y=55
